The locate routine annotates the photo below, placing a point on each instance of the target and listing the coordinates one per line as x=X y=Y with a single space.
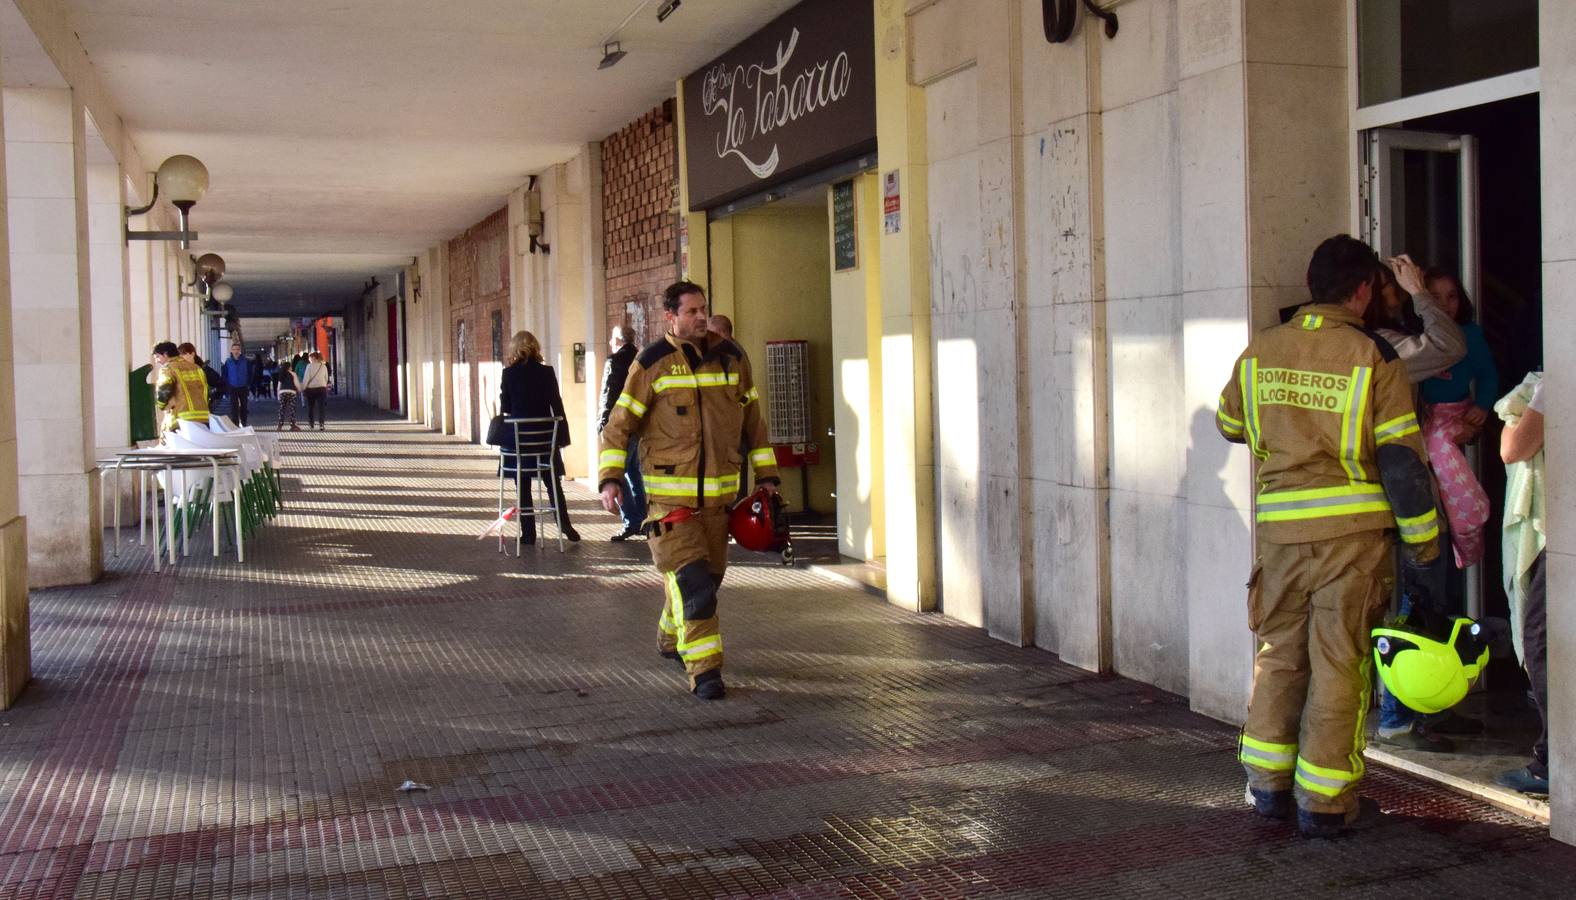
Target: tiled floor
x=241 y=731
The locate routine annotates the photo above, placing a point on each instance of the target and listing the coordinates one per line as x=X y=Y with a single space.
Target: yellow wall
x=771 y=272
x=856 y=377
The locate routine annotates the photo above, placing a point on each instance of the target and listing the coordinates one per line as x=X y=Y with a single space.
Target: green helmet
x=1425 y=673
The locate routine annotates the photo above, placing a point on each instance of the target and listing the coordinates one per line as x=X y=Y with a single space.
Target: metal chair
x=532 y=454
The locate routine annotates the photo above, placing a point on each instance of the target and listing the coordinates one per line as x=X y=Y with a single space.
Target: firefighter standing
x=689 y=397
x=1326 y=409
x=182 y=389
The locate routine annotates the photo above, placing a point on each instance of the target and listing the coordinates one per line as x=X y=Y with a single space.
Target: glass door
x=1420 y=197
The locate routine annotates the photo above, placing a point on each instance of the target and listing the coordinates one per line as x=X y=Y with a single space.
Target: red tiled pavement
x=240 y=731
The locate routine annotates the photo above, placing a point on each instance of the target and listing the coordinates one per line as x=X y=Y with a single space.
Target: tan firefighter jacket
x=182 y=393
x=1314 y=399
x=691 y=404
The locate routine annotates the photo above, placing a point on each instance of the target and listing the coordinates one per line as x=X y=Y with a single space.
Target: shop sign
x=795 y=97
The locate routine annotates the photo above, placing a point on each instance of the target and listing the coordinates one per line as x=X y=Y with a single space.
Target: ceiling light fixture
x=611 y=54
x=666 y=9
x=183 y=180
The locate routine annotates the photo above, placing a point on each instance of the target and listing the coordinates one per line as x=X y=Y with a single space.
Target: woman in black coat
x=530 y=391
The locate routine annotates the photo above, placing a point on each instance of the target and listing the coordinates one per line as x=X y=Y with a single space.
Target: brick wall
x=640 y=220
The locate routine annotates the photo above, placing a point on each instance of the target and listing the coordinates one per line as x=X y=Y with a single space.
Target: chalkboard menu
x=845 y=235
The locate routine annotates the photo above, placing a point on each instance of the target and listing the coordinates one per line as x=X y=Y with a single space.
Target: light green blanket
x=1523 y=536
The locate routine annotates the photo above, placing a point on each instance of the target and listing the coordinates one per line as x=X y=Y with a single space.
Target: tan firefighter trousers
x=1312 y=606
x=691 y=556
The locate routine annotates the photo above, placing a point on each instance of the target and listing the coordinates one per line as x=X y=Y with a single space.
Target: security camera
x=666 y=9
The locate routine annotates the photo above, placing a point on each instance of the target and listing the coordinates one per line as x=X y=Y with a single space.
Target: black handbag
x=499 y=432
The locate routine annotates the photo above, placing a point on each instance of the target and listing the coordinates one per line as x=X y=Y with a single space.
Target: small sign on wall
x=845 y=233
x=891 y=203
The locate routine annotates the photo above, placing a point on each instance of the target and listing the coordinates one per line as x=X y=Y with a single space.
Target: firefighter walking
x=689 y=397
x=1326 y=409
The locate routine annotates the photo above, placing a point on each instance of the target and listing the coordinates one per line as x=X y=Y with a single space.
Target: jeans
x=632 y=490
x=1535 y=644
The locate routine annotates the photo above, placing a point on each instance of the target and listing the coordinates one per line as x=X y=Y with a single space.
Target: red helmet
x=757 y=522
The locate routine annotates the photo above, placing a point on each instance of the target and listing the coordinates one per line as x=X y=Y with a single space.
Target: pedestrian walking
x=688 y=397
x=237 y=375
x=314 y=386
x=289 y=392
x=632 y=497
x=1326 y=408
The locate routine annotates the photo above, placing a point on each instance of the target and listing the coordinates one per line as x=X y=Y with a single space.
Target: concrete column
x=907 y=436
x=46 y=169
x=570 y=194
x=15 y=638
x=107 y=264
x=1557 y=55
x=139 y=297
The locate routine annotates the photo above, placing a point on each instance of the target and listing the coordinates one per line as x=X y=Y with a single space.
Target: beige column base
x=65 y=543
x=16 y=647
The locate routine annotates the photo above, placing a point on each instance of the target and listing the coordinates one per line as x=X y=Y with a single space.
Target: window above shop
x=1411 y=47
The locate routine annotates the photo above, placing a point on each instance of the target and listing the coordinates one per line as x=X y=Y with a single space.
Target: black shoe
x=1333 y=825
x=1272 y=804
x=709 y=686
x=528 y=539
x=570 y=534
x=624 y=535
x=673 y=655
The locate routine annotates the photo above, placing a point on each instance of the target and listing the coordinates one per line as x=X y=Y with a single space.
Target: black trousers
x=524 y=501
x=316 y=403
x=1535 y=644
x=239 y=403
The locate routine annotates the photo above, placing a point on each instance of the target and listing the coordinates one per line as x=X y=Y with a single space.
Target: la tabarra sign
x=796 y=96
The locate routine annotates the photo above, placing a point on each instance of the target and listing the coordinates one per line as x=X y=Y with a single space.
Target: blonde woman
x=530 y=391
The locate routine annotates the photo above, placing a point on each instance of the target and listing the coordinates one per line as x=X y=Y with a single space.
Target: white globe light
x=223 y=292
x=183 y=179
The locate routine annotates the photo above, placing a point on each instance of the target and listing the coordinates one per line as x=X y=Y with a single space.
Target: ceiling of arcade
x=343 y=138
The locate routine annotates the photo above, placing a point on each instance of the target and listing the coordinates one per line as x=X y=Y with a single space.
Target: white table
x=168 y=460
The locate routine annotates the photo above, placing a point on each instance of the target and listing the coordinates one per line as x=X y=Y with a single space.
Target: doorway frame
x=1395 y=114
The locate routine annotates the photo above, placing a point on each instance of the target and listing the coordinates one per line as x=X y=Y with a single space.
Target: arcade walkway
x=241 y=731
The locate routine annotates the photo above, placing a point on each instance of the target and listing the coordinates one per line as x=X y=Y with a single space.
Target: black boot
x=709 y=686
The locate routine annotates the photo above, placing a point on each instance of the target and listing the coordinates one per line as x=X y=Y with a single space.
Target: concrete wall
x=1557 y=52
x=856 y=383
x=1102 y=236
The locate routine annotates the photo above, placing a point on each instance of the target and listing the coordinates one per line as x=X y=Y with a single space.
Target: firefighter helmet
x=1427 y=674
x=757 y=522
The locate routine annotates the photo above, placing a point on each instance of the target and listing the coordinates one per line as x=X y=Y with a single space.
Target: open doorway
x=1460 y=191
x=804 y=267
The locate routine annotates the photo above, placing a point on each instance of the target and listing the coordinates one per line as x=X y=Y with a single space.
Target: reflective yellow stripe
x=669 y=382
x=1329 y=782
x=763 y=456
x=195 y=415
x=1395 y=429
x=1248 y=376
x=667 y=623
x=1418 y=529
x=631 y=404
x=1312 y=322
x=1265 y=755
x=750 y=396
x=700 y=648
x=716 y=379
x=1318 y=503
x=614 y=459
x=1352 y=424
x=1232 y=425
x=723 y=486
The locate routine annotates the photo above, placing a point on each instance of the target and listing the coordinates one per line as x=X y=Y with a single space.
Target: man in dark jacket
x=633 y=490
